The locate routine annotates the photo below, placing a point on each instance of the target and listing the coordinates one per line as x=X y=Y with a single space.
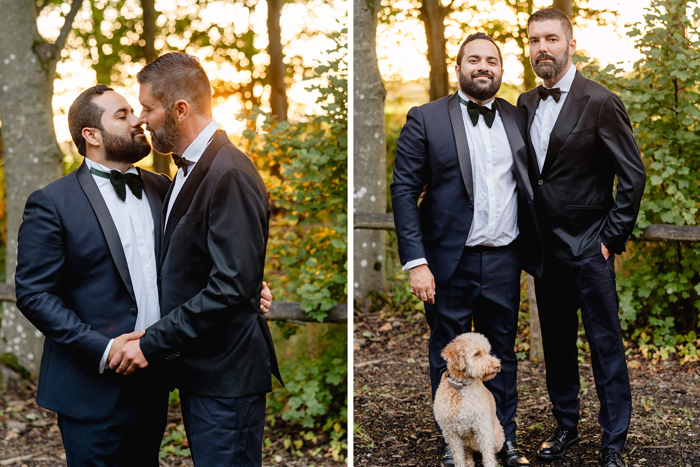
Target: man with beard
x=86 y=274
x=212 y=258
x=462 y=246
x=580 y=139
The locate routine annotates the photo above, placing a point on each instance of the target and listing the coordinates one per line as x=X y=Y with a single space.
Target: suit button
x=540 y=182
x=132 y=311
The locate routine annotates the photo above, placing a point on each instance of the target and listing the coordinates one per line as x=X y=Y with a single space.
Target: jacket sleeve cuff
x=414 y=263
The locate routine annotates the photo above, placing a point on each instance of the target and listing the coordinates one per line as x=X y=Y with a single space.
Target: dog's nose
x=497 y=367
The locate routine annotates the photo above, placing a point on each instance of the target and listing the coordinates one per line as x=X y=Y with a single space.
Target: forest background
x=279 y=76
x=646 y=51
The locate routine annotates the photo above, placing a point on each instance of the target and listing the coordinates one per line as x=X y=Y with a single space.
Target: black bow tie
x=182 y=163
x=546 y=92
x=474 y=110
x=120 y=181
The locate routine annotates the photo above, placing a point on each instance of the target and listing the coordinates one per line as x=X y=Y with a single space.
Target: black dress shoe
x=556 y=446
x=610 y=457
x=511 y=456
x=446 y=459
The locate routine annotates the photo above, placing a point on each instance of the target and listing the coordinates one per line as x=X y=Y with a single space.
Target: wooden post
x=536 y=348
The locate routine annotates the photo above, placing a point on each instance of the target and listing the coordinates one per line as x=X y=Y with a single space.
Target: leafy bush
x=659 y=282
x=306 y=164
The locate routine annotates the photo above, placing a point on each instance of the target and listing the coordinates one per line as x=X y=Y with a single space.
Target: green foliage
x=10 y=361
x=659 y=285
x=468 y=17
x=305 y=164
x=315 y=392
x=174 y=443
x=113 y=38
x=307 y=249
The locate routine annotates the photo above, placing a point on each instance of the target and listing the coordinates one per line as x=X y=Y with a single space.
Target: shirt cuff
x=413 y=263
x=103 y=362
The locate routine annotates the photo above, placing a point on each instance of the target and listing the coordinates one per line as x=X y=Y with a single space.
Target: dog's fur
x=467 y=416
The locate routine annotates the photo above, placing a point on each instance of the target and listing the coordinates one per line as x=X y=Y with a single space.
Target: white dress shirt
x=134 y=222
x=193 y=153
x=495 y=221
x=546 y=116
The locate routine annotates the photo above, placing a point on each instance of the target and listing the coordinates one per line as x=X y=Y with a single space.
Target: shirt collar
x=564 y=84
x=489 y=104
x=94 y=165
x=195 y=150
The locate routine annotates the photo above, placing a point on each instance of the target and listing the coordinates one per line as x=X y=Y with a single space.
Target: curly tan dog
x=464 y=408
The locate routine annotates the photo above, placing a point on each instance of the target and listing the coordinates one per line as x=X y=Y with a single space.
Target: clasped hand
x=125 y=356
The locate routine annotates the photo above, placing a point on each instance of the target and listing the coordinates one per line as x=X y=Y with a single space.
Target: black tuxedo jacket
x=211 y=266
x=433 y=149
x=73 y=284
x=591 y=143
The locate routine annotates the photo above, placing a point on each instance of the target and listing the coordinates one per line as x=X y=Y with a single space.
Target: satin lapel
x=533 y=100
x=156 y=209
x=460 y=134
x=517 y=145
x=189 y=188
x=568 y=116
x=106 y=223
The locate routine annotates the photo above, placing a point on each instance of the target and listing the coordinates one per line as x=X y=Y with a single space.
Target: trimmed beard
x=164 y=138
x=125 y=149
x=550 y=70
x=477 y=91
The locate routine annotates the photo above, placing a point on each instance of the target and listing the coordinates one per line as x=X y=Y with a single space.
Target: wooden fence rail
x=279 y=311
x=652 y=233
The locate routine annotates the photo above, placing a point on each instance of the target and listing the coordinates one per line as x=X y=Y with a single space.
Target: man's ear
x=92 y=136
x=181 y=110
x=572 y=47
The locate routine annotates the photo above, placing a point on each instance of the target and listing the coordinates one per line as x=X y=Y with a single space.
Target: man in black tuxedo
x=86 y=274
x=580 y=139
x=215 y=216
x=87 y=279
x=462 y=245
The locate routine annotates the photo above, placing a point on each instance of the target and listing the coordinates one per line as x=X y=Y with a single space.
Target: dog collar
x=454 y=383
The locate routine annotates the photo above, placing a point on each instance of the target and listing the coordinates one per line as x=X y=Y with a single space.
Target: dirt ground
x=29 y=436
x=393 y=415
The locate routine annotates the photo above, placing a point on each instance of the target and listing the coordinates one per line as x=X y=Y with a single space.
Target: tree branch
x=38 y=8
x=67 y=26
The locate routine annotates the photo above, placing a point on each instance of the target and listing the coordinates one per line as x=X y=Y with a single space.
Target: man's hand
x=123 y=339
x=422 y=283
x=265 y=298
x=425 y=192
x=129 y=358
x=604 y=250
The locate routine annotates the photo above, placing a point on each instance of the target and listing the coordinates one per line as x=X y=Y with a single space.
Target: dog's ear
x=452 y=356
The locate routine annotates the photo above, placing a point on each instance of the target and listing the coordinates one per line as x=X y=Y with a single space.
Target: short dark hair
x=473 y=37
x=84 y=113
x=174 y=76
x=549 y=13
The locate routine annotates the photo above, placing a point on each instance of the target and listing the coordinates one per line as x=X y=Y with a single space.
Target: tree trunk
x=528 y=74
x=433 y=15
x=31 y=153
x=161 y=163
x=369 y=154
x=564 y=5
x=277 y=69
